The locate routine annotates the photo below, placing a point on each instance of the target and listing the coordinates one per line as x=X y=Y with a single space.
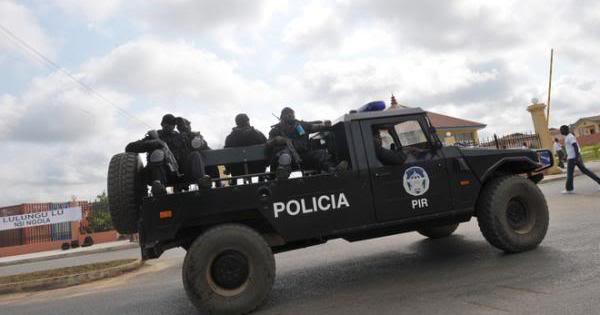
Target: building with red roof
x=587 y=126
x=450 y=129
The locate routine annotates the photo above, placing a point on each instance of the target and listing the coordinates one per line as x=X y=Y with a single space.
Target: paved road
x=399 y=274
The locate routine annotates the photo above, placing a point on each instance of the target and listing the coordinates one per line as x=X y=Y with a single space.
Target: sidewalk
x=593 y=166
x=56 y=254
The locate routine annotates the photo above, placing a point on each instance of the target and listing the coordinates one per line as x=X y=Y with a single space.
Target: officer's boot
x=284 y=169
x=282 y=172
x=204 y=182
x=158 y=189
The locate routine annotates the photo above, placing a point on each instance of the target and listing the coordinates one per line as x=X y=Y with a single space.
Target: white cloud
x=9 y=111
x=93 y=11
x=21 y=22
x=180 y=78
x=236 y=26
x=317 y=27
x=38 y=172
x=196 y=16
x=55 y=109
x=415 y=76
x=169 y=71
x=57 y=140
x=446 y=25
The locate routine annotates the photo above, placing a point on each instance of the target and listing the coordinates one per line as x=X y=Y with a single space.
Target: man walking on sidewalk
x=574 y=158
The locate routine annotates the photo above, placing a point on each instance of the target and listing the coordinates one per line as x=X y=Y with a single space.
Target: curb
x=69 y=254
x=70 y=280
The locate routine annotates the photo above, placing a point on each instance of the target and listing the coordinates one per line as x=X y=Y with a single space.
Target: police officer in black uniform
x=195 y=169
x=290 y=146
x=165 y=149
x=387 y=156
x=244 y=135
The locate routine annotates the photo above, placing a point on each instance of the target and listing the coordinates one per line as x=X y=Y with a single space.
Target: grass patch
x=67 y=271
x=591 y=153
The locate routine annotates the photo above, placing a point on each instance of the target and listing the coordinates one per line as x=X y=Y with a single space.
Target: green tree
x=99 y=218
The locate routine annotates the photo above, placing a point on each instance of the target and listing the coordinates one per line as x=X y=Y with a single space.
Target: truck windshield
x=410 y=133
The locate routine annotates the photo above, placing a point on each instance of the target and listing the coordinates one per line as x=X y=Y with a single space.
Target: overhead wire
x=41 y=62
x=51 y=64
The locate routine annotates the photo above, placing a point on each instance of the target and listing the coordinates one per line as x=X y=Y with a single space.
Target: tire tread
x=123 y=191
x=207 y=303
x=489 y=225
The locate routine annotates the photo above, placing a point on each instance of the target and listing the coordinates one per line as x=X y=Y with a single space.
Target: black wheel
x=125 y=191
x=512 y=214
x=438 y=231
x=229 y=269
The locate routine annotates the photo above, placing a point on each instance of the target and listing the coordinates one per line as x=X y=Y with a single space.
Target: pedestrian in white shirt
x=574 y=158
x=559 y=153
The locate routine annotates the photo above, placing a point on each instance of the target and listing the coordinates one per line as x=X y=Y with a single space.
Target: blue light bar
x=374 y=106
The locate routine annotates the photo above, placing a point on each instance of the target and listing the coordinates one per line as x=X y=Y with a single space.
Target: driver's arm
x=389 y=157
x=413 y=150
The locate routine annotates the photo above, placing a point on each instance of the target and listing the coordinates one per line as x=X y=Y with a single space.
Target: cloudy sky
x=208 y=60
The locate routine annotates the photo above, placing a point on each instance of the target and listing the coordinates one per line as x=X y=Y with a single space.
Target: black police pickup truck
x=231 y=233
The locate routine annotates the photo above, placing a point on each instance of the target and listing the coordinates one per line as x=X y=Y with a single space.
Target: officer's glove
x=277 y=141
x=198 y=143
x=157 y=144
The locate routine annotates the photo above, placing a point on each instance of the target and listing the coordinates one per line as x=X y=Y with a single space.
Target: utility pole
x=549 y=86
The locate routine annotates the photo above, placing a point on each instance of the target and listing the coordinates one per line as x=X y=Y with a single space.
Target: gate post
x=540 y=124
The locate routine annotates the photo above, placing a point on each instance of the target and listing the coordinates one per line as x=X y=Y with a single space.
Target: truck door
x=420 y=185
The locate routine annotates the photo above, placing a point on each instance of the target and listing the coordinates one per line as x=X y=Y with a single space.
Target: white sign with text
x=20 y=221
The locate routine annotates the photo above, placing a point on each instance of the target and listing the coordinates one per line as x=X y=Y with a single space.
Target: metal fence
x=36 y=234
x=10 y=237
x=98 y=218
x=511 y=141
x=60 y=231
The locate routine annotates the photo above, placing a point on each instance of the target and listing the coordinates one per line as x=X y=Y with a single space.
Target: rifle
x=169 y=157
x=290 y=146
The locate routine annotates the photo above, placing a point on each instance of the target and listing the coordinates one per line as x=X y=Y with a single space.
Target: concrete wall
x=100 y=237
x=589 y=140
